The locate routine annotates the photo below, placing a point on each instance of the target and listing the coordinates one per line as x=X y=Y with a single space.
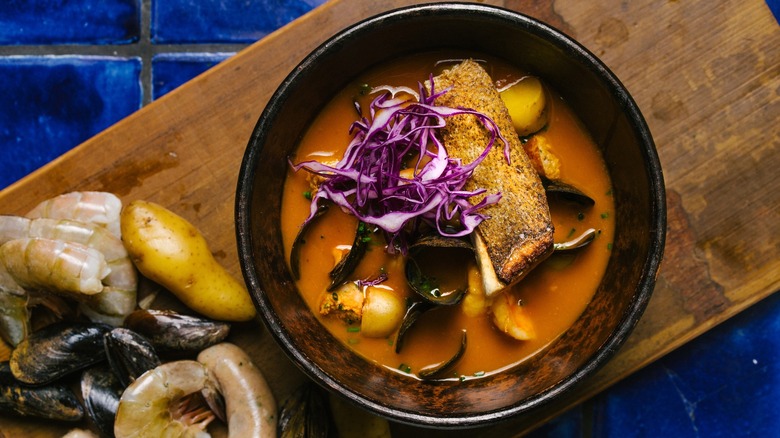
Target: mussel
x=129 y=354
x=578 y=242
x=413 y=311
x=55 y=402
x=438 y=370
x=58 y=350
x=101 y=390
x=300 y=239
x=567 y=192
x=349 y=262
x=306 y=413
x=422 y=279
x=421 y=275
x=170 y=332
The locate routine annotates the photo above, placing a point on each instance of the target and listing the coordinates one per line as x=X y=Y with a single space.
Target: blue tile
x=722 y=384
x=774 y=6
x=51 y=104
x=169 y=70
x=218 y=21
x=567 y=425
x=70 y=22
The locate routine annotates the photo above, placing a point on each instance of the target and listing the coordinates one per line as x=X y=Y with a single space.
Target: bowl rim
x=644 y=287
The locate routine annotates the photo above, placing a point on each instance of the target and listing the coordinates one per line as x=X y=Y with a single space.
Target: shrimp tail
x=110 y=306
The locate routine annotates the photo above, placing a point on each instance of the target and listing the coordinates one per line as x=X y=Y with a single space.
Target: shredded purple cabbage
x=368 y=183
x=381 y=278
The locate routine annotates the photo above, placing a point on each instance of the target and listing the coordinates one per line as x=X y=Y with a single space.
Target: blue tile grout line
x=142 y=48
x=41 y=119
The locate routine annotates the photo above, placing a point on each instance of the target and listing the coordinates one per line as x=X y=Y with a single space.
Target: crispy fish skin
x=519 y=233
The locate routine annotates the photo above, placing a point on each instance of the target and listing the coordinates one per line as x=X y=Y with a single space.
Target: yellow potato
x=527 y=103
x=383 y=311
x=169 y=250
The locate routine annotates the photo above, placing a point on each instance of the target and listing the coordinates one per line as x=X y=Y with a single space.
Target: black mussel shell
x=349 y=262
x=58 y=350
x=54 y=402
x=300 y=240
x=306 y=413
x=438 y=370
x=169 y=331
x=424 y=283
x=413 y=311
x=578 y=242
x=101 y=391
x=564 y=191
x=129 y=354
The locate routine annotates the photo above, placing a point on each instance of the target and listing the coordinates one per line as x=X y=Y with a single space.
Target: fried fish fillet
x=519 y=233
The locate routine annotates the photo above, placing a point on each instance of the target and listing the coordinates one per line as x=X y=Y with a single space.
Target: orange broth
x=554 y=294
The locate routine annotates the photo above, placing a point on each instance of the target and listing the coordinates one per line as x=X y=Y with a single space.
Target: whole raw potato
x=169 y=250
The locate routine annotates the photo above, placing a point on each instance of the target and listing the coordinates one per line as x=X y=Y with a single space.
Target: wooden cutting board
x=707 y=79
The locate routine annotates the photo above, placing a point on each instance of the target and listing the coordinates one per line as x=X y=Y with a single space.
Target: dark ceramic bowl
x=608 y=112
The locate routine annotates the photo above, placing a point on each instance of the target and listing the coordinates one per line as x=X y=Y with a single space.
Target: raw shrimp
x=510 y=317
x=250 y=405
x=71 y=269
x=159 y=402
x=118 y=298
x=100 y=208
x=14 y=316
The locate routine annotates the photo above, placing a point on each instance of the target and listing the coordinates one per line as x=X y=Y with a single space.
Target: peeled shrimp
x=119 y=296
x=158 y=402
x=510 y=317
x=71 y=269
x=100 y=208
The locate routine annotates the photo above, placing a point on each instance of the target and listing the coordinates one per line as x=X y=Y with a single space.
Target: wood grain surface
x=707 y=78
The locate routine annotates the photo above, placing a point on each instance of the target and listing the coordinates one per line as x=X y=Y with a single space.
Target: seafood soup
x=480 y=330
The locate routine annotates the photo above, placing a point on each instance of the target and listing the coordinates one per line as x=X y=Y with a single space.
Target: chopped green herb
x=364 y=89
x=609 y=246
x=609 y=192
x=571 y=232
x=604 y=215
x=462 y=378
x=307 y=194
x=335 y=296
x=353 y=341
x=479 y=374
x=405 y=368
x=353 y=329
x=389 y=342
x=580 y=216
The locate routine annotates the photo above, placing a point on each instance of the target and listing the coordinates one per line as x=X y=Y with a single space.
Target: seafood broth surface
x=553 y=295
